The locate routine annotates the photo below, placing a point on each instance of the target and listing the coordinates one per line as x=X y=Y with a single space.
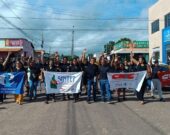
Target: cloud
x=62 y=40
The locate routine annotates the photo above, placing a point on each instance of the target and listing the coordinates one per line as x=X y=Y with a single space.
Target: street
x=68 y=118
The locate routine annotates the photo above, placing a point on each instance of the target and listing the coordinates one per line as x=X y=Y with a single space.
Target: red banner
x=165 y=78
x=14 y=42
x=123 y=76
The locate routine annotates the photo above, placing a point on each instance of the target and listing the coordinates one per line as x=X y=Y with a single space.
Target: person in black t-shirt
x=33 y=73
x=65 y=68
x=75 y=68
x=50 y=67
x=140 y=66
x=104 y=68
x=92 y=75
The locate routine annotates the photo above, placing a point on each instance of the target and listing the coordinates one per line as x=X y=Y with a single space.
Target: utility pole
x=49 y=50
x=72 y=47
x=42 y=43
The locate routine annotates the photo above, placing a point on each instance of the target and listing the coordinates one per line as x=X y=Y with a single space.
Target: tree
x=123 y=40
x=109 y=47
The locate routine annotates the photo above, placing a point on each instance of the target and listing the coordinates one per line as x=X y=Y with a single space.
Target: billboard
x=14 y=42
x=165 y=43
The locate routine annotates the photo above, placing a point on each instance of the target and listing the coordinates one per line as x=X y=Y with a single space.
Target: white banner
x=62 y=82
x=132 y=80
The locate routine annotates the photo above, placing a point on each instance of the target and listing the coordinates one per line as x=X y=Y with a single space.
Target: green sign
x=135 y=44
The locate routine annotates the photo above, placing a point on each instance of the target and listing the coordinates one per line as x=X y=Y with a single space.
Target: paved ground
x=68 y=118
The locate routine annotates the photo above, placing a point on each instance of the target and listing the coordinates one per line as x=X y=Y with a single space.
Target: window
x=167 y=20
x=155 y=26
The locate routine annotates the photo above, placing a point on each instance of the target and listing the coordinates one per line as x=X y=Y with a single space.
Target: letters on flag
x=133 y=80
x=62 y=82
x=12 y=83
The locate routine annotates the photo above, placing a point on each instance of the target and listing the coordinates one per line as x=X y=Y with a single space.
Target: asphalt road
x=68 y=118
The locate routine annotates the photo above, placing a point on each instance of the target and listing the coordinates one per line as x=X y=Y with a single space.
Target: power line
x=72 y=47
x=55 y=12
x=30 y=37
x=16 y=27
x=85 y=19
x=59 y=12
x=62 y=29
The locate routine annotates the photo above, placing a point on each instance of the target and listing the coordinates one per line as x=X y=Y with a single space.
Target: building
x=138 y=48
x=18 y=46
x=159 y=30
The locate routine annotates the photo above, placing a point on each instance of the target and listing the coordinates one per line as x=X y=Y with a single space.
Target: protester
x=117 y=67
x=75 y=68
x=2 y=68
x=20 y=68
x=84 y=76
x=156 y=69
x=65 y=68
x=149 y=82
x=140 y=66
x=33 y=72
x=52 y=69
x=104 y=68
x=92 y=75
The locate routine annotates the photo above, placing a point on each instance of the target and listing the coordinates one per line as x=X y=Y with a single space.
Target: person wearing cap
x=156 y=69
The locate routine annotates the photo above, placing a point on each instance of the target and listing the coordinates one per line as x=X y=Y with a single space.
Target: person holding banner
x=156 y=69
x=19 y=68
x=33 y=73
x=104 y=68
x=84 y=65
x=65 y=68
x=52 y=69
x=92 y=73
x=2 y=68
x=118 y=67
x=75 y=68
x=140 y=66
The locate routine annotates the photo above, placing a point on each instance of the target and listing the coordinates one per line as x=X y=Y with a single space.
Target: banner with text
x=12 y=83
x=165 y=78
x=62 y=82
x=132 y=80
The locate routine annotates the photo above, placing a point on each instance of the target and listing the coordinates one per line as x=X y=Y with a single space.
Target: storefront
x=139 y=48
x=165 y=44
x=17 y=46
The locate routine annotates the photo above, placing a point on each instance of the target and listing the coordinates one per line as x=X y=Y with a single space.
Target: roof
x=13 y=39
x=10 y=49
x=128 y=51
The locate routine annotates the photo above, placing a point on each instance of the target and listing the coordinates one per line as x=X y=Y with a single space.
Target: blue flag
x=12 y=83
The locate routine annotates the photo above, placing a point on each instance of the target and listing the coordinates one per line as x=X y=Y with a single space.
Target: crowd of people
x=94 y=79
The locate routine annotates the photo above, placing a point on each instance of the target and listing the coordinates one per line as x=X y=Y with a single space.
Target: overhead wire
x=22 y=31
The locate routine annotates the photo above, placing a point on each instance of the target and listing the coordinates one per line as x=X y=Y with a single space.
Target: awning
x=10 y=49
x=157 y=49
x=128 y=51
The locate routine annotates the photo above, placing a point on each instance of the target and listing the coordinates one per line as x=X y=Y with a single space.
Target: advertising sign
x=14 y=42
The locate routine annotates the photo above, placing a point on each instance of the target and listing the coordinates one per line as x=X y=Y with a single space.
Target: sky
x=96 y=22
